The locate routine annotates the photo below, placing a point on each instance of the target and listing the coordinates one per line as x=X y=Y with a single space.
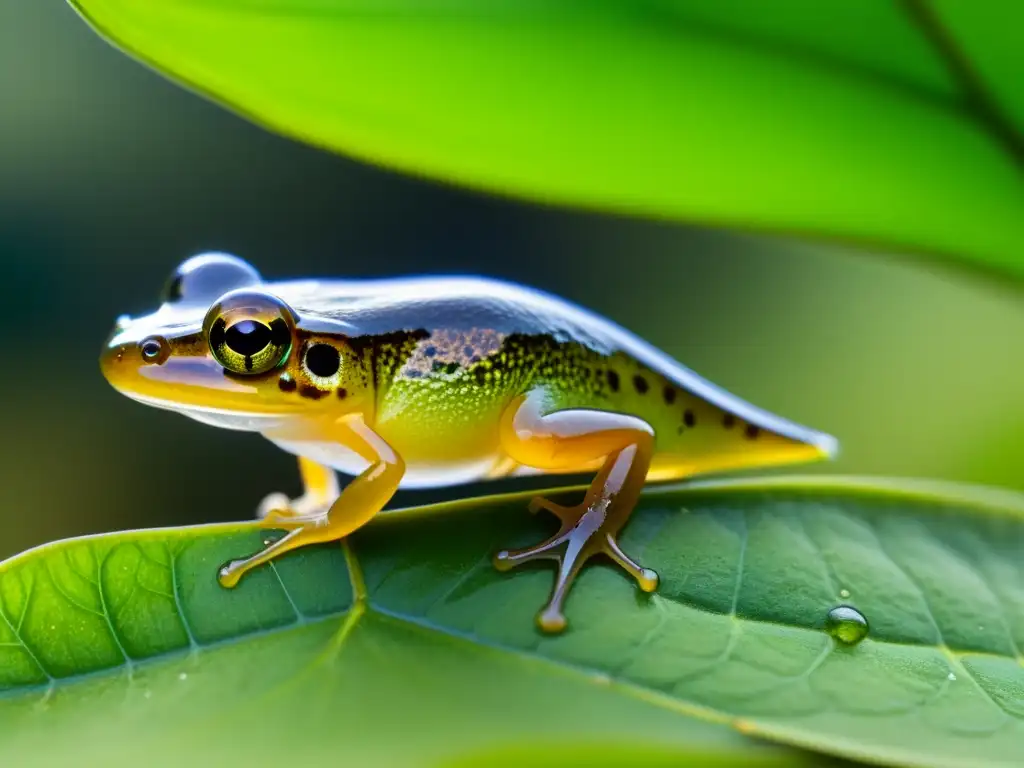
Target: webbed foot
x=586 y=531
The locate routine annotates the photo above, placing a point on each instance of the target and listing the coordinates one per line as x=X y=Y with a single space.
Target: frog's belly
x=419 y=473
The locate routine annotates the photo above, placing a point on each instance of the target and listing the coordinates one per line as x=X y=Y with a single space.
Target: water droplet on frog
x=844 y=593
x=847 y=625
x=951 y=677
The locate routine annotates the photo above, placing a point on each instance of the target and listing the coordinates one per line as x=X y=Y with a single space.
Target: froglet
x=434 y=381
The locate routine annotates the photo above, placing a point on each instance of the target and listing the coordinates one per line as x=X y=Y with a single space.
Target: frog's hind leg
x=363 y=498
x=569 y=439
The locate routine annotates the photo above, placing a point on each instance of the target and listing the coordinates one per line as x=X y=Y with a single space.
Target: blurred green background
x=110 y=175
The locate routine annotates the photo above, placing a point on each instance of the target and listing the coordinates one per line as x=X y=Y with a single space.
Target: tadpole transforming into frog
x=435 y=381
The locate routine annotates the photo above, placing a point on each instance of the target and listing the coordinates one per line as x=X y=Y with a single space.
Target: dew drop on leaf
x=847 y=625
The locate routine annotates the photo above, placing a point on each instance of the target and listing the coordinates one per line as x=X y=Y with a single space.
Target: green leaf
x=406 y=646
x=882 y=122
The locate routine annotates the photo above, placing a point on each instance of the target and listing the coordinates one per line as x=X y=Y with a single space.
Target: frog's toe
x=278 y=519
x=551 y=620
x=230 y=574
x=507 y=559
x=288 y=521
x=646 y=578
x=277 y=507
x=274 y=505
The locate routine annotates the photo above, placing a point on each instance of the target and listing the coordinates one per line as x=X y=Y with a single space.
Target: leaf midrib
x=820 y=59
x=978 y=101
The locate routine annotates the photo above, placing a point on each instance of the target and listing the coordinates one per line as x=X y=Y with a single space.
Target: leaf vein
x=299 y=617
x=101 y=592
x=59 y=588
x=880 y=543
x=29 y=651
x=741 y=561
x=831 y=581
x=983 y=579
x=946 y=650
x=176 y=592
x=474 y=568
x=957 y=662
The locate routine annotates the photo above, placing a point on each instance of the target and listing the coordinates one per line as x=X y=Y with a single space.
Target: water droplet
x=951 y=677
x=846 y=624
x=844 y=593
x=183 y=676
x=148 y=694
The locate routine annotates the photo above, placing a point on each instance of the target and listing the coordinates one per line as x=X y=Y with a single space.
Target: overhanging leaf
x=437 y=662
x=879 y=121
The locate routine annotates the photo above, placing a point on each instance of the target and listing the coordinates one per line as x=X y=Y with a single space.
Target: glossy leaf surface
x=895 y=124
x=410 y=631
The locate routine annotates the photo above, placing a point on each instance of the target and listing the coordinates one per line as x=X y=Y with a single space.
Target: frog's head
x=222 y=349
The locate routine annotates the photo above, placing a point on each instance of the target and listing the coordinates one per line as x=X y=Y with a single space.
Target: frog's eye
x=204 y=277
x=249 y=332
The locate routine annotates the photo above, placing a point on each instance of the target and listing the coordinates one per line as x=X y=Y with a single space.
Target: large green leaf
x=879 y=121
x=407 y=646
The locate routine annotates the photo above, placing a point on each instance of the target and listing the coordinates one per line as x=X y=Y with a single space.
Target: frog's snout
x=120 y=362
x=173 y=372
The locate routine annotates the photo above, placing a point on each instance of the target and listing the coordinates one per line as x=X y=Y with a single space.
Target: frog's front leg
x=574 y=439
x=320 y=489
x=363 y=498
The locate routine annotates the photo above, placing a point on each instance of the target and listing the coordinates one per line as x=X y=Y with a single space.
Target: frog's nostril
x=154 y=350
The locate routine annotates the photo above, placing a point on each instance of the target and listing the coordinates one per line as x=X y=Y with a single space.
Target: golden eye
x=249 y=332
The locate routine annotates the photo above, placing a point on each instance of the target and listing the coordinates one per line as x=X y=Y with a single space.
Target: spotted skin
x=458 y=404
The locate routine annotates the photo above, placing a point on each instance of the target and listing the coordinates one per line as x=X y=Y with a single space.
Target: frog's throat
x=245 y=421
